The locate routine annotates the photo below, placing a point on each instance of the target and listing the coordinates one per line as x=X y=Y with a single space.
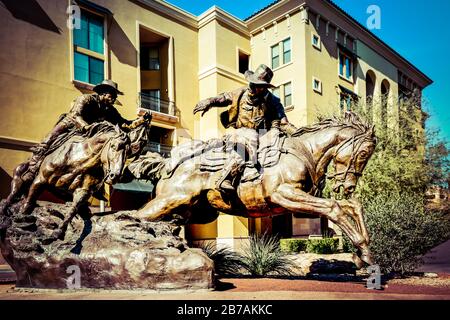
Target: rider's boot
x=231 y=172
x=35 y=161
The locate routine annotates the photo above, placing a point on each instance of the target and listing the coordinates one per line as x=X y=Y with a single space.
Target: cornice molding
x=213 y=13
x=267 y=11
x=277 y=19
x=223 y=71
x=216 y=13
x=171 y=10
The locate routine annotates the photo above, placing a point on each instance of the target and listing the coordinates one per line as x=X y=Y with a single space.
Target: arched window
x=370 y=90
x=384 y=102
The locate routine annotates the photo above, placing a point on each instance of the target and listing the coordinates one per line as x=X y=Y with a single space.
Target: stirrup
x=227 y=186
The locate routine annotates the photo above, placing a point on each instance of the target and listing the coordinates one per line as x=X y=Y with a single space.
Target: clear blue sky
x=417 y=30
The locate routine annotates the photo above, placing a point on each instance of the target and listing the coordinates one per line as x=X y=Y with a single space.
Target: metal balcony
x=147 y=101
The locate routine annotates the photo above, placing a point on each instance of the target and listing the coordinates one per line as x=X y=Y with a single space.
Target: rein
x=358 y=140
x=108 y=170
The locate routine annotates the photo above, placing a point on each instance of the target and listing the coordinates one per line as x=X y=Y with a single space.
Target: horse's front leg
x=17 y=185
x=80 y=197
x=163 y=205
x=297 y=200
x=355 y=209
x=33 y=194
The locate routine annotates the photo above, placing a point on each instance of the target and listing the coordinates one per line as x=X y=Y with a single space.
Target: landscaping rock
x=307 y=264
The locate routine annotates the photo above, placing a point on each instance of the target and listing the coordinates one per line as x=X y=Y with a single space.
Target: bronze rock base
x=112 y=251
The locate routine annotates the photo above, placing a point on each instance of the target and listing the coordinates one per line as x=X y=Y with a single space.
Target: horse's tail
x=148 y=166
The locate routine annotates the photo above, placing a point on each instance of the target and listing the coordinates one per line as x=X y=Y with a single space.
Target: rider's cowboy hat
x=107 y=86
x=262 y=76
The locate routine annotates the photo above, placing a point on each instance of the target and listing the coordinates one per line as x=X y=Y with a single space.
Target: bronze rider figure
x=253 y=108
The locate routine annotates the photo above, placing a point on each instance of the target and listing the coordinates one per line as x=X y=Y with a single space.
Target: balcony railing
x=160 y=148
x=147 y=101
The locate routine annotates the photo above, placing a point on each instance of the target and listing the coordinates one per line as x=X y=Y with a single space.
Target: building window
x=287 y=51
x=276 y=92
x=287 y=94
x=88 y=41
x=284 y=47
x=315 y=40
x=345 y=102
x=275 y=50
x=150 y=58
x=317 y=85
x=243 y=62
x=284 y=93
x=345 y=66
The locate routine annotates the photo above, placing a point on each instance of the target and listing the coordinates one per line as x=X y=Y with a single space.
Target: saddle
x=212 y=156
x=269 y=152
x=270 y=147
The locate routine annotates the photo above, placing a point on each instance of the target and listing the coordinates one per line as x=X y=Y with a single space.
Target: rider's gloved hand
x=203 y=106
x=147 y=116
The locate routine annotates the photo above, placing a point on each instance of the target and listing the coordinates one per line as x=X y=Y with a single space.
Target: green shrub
x=226 y=261
x=263 y=255
x=322 y=246
x=347 y=245
x=293 y=245
x=402 y=230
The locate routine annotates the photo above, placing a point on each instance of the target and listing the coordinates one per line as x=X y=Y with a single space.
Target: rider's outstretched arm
x=222 y=100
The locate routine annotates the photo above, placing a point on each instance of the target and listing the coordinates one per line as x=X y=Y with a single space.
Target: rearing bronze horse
x=289 y=186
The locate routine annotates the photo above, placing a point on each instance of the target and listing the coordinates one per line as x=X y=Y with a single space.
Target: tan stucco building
x=167 y=59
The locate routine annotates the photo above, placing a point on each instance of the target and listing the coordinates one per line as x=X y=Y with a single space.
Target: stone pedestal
x=112 y=251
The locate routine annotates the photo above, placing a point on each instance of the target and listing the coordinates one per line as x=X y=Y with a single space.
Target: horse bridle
x=108 y=171
x=359 y=140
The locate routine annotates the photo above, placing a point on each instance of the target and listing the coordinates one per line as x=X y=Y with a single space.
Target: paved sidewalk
x=6 y=274
x=437 y=260
x=247 y=289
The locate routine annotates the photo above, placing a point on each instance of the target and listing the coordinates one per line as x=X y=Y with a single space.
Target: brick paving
x=247 y=289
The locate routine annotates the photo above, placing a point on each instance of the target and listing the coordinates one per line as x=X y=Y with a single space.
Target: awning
x=135 y=185
x=348 y=91
x=93 y=6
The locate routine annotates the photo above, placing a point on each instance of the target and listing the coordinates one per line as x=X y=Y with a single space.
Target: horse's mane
x=350 y=119
x=95 y=130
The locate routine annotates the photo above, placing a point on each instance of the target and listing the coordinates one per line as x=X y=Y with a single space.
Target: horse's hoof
x=357 y=261
x=367 y=258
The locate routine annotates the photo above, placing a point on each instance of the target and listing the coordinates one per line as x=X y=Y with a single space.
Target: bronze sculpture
x=191 y=187
x=294 y=171
x=87 y=147
x=252 y=107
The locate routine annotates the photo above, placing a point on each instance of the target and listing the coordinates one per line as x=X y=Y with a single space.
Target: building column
x=232 y=231
x=171 y=77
